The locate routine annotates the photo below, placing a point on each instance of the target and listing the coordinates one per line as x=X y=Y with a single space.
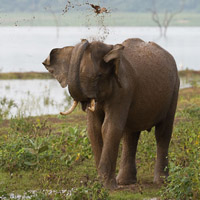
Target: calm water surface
x=24 y=48
x=34 y=97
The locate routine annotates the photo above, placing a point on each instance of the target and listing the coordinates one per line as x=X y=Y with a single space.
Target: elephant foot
x=110 y=184
x=107 y=178
x=122 y=181
x=126 y=179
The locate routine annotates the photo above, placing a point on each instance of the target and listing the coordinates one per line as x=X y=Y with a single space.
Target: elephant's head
x=58 y=63
x=99 y=70
x=87 y=68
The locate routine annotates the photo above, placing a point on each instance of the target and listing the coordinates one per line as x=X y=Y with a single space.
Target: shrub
x=32 y=144
x=5 y=107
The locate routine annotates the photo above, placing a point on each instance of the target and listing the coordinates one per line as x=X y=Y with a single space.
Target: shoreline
x=47 y=75
x=25 y=75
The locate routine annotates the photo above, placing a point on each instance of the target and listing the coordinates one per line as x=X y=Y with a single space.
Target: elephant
x=125 y=89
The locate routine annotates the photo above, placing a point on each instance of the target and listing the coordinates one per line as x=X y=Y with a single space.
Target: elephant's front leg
x=94 y=124
x=127 y=172
x=112 y=131
x=107 y=165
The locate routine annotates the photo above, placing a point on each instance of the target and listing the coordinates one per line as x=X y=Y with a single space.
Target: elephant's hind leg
x=163 y=134
x=127 y=172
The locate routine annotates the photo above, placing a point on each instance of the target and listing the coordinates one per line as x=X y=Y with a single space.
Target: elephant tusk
x=92 y=105
x=71 y=109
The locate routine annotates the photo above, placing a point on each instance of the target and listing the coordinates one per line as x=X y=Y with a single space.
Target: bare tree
x=164 y=22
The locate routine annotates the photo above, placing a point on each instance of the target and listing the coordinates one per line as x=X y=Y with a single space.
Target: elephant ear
x=114 y=55
x=57 y=63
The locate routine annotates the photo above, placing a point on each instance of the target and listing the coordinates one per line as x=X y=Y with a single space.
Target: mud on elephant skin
x=125 y=89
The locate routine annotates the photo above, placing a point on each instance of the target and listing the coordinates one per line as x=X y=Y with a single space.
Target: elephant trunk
x=73 y=75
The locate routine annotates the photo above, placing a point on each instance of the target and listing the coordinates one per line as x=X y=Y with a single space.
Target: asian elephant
x=125 y=89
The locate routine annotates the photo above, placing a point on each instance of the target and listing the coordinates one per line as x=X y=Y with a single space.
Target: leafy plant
x=90 y=192
x=78 y=147
x=5 y=107
x=184 y=179
x=23 y=148
x=28 y=126
x=30 y=143
x=4 y=194
x=36 y=149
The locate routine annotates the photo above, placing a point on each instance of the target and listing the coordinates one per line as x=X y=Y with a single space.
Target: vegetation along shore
x=50 y=156
x=46 y=75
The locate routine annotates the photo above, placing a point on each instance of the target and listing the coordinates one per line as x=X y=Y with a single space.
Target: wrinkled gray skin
x=135 y=86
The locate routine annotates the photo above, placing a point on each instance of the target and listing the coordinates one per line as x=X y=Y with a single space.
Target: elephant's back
x=149 y=60
x=133 y=43
x=140 y=51
x=156 y=81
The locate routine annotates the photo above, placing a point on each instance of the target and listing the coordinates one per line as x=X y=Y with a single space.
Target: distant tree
x=163 y=17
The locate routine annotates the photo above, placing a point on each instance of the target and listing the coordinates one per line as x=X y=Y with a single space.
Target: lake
x=34 y=97
x=25 y=48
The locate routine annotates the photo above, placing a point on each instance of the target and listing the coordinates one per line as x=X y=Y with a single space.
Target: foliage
x=30 y=144
x=78 y=146
x=5 y=107
x=91 y=192
x=47 y=155
x=184 y=179
x=146 y=152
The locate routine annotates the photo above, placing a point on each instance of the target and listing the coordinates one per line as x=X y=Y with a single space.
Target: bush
x=5 y=107
x=32 y=144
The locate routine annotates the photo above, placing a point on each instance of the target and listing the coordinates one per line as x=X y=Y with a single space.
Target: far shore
x=25 y=75
x=47 y=75
x=186 y=19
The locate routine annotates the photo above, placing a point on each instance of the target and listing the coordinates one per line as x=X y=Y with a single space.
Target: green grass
x=90 y=19
x=59 y=156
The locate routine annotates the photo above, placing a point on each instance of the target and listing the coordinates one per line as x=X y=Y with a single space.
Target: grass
x=90 y=19
x=53 y=153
